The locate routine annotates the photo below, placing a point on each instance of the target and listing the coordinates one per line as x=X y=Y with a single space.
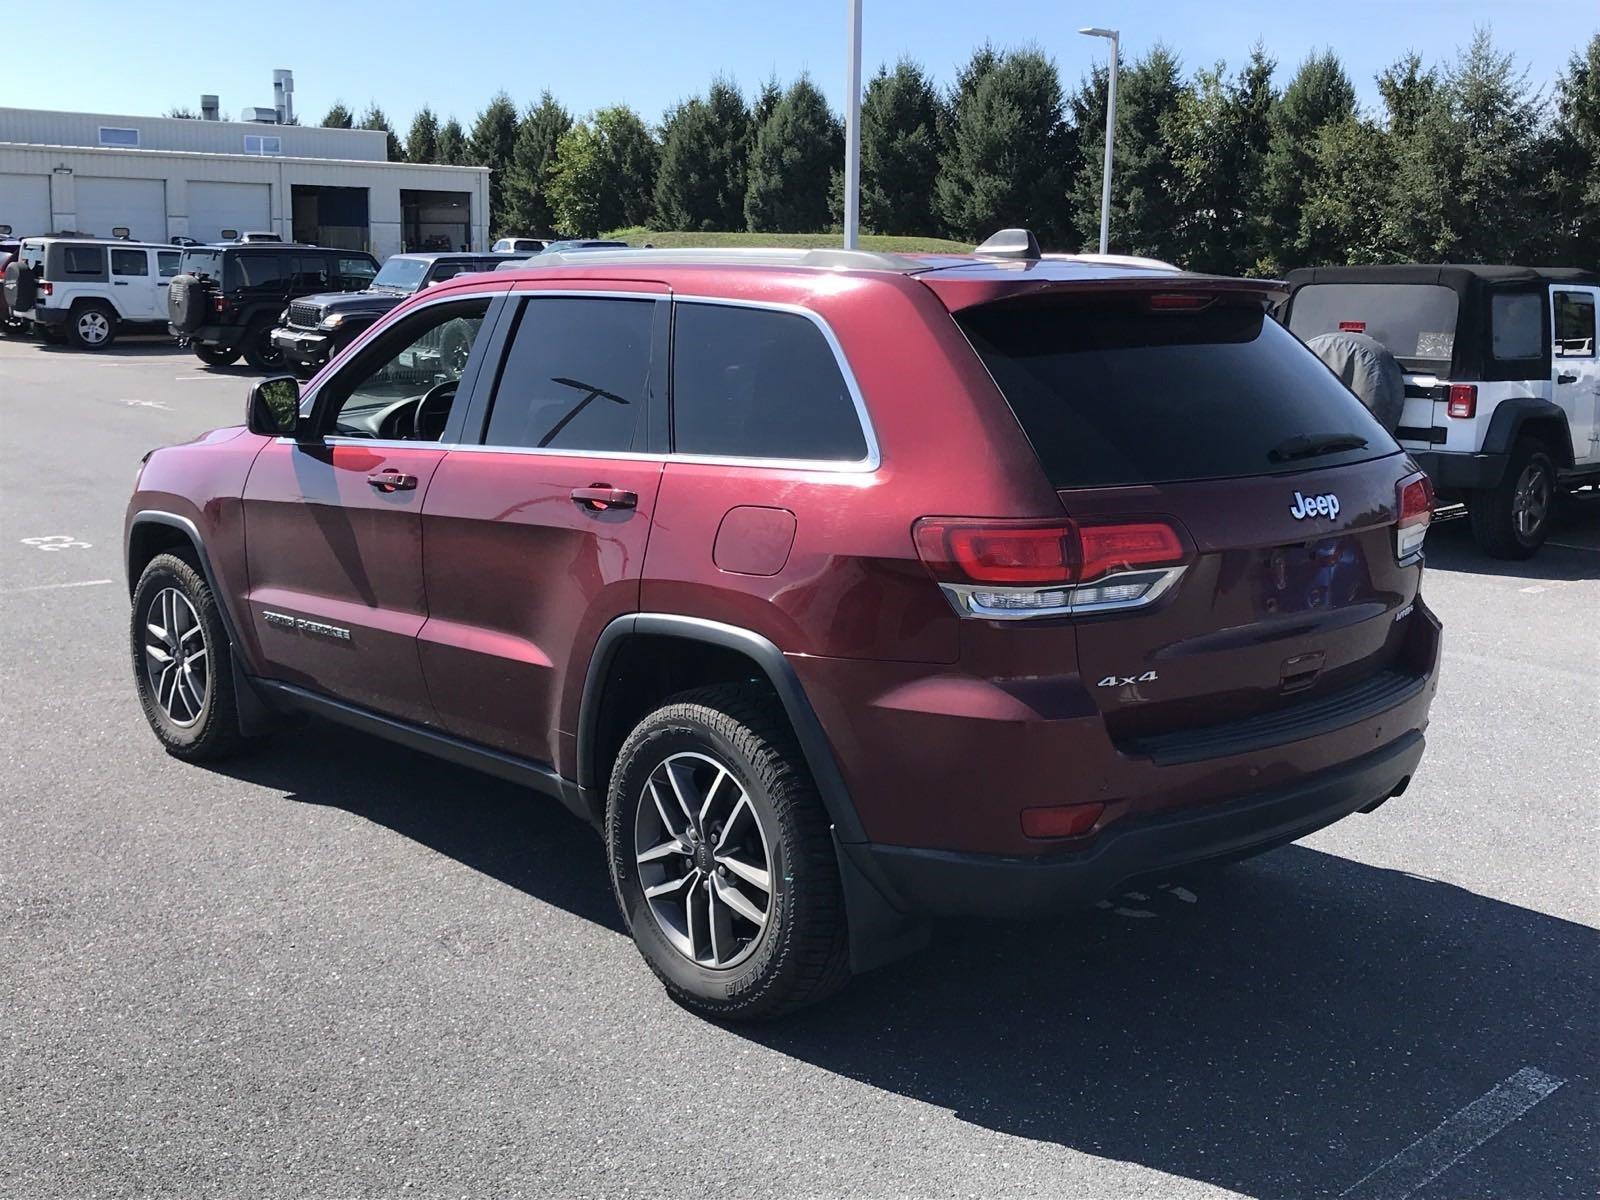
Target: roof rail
x=768 y=256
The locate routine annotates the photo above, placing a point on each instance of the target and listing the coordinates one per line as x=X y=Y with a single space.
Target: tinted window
x=312 y=274
x=1110 y=394
x=1516 y=322
x=82 y=260
x=203 y=262
x=753 y=383
x=1574 y=325
x=167 y=263
x=356 y=274
x=257 y=272
x=130 y=262
x=1415 y=321
x=576 y=376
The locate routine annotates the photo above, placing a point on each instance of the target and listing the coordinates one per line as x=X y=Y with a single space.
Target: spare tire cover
x=187 y=301
x=1366 y=367
x=21 y=287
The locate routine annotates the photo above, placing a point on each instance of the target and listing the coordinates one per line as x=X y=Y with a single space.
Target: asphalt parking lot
x=336 y=968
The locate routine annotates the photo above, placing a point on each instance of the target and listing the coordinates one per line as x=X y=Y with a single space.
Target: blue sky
x=453 y=54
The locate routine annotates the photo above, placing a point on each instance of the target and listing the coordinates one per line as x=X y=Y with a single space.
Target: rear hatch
x=1177 y=406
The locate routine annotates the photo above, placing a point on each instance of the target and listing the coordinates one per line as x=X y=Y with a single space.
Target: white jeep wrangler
x=88 y=290
x=1502 y=382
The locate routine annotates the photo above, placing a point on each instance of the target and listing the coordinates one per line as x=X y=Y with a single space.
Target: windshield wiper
x=1314 y=445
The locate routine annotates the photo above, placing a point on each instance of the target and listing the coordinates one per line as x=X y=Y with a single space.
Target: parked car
x=226 y=299
x=836 y=589
x=315 y=328
x=518 y=245
x=8 y=255
x=250 y=237
x=90 y=290
x=562 y=247
x=1502 y=382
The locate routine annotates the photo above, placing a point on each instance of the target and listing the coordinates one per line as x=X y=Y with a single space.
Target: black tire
x=800 y=955
x=216 y=356
x=195 y=733
x=1508 y=521
x=92 y=325
x=258 y=349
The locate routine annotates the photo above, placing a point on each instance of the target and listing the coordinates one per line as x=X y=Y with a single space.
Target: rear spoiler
x=958 y=294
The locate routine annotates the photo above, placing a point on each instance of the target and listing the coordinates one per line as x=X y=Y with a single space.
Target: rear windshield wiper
x=1314 y=445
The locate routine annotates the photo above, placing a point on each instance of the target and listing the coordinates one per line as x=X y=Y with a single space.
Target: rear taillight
x=45 y=289
x=1414 y=503
x=219 y=304
x=1014 y=569
x=1463 y=400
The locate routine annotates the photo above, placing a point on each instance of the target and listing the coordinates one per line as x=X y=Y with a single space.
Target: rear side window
x=167 y=263
x=130 y=262
x=257 y=272
x=1516 y=324
x=83 y=260
x=576 y=377
x=756 y=383
x=1111 y=394
x=1416 y=322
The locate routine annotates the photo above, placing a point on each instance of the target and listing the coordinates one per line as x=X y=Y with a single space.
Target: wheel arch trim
x=171 y=520
x=1510 y=416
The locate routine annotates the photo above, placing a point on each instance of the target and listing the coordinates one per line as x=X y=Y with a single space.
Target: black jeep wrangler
x=315 y=328
x=226 y=299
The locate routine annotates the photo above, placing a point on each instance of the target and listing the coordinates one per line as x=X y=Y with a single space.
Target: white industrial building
x=165 y=177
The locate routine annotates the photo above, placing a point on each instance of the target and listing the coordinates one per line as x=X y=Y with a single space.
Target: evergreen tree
x=604 y=173
x=422 y=142
x=1572 y=162
x=376 y=118
x=705 y=151
x=792 y=163
x=452 y=144
x=338 y=117
x=1006 y=158
x=183 y=114
x=1344 y=210
x=1319 y=93
x=528 y=207
x=1146 y=178
x=493 y=136
x=900 y=121
x=767 y=99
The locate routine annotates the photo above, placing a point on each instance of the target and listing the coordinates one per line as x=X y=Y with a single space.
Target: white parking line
x=1430 y=1156
x=45 y=587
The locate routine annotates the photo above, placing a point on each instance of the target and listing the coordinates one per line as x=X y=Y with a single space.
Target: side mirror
x=274 y=407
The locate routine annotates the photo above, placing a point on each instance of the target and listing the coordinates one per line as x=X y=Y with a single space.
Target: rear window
x=1112 y=395
x=1416 y=322
x=203 y=262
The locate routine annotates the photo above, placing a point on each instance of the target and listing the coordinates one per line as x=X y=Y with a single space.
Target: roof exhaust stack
x=1011 y=243
x=283 y=95
x=210 y=108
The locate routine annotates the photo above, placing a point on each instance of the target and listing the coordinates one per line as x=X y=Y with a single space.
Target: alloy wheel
x=1530 y=502
x=704 y=860
x=176 y=663
x=93 y=327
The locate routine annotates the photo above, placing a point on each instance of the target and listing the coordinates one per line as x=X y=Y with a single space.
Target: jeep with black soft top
x=1502 y=382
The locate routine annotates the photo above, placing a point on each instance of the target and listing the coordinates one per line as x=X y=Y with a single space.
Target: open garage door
x=214 y=207
x=140 y=204
x=25 y=204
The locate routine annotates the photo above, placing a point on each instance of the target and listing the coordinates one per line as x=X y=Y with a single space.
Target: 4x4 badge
x=1125 y=680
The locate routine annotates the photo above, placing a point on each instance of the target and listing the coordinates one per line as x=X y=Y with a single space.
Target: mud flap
x=879 y=932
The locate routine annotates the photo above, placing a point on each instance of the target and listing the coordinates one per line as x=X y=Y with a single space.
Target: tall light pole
x=1111 y=127
x=852 y=129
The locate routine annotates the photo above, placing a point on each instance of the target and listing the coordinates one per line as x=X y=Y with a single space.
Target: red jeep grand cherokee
x=839 y=590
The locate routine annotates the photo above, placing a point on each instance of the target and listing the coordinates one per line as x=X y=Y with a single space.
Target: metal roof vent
x=1011 y=243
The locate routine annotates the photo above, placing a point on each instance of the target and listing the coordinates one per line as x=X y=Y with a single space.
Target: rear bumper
x=1464 y=472
x=207 y=335
x=45 y=318
x=941 y=883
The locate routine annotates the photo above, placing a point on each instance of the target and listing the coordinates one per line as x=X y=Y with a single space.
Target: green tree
x=767 y=99
x=1408 y=90
x=1345 y=208
x=1319 y=93
x=1572 y=161
x=528 y=207
x=705 y=152
x=339 y=117
x=1218 y=134
x=1146 y=178
x=376 y=118
x=792 y=163
x=183 y=114
x=900 y=121
x=494 y=134
x=452 y=144
x=604 y=173
x=422 y=142
x=1005 y=160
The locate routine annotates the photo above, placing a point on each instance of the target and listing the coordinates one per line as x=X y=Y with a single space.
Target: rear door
x=536 y=536
x=1576 y=367
x=133 y=283
x=333 y=525
x=1220 y=422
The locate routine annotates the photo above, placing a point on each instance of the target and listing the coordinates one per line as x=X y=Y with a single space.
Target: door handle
x=392 y=481
x=119 y=283
x=1566 y=379
x=601 y=497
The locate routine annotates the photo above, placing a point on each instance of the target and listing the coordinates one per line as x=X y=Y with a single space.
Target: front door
x=1576 y=367
x=333 y=529
x=534 y=539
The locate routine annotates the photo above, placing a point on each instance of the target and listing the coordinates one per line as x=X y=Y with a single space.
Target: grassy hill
x=638 y=236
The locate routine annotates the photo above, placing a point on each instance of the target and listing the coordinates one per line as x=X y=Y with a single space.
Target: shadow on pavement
x=1572 y=553
x=1299 y=1021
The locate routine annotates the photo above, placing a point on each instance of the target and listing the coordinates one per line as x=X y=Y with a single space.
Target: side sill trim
x=537 y=776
